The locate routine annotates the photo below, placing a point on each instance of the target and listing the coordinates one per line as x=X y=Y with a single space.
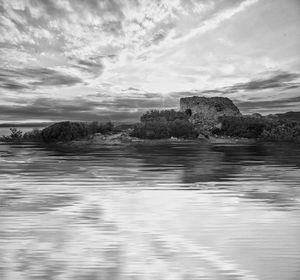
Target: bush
x=105 y=127
x=164 y=124
x=33 y=135
x=65 y=131
x=68 y=131
x=163 y=130
x=93 y=127
x=241 y=127
x=182 y=129
x=283 y=130
x=151 y=130
x=265 y=128
x=15 y=135
x=163 y=116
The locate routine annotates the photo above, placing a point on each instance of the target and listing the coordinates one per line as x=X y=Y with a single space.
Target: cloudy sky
x=114 y=59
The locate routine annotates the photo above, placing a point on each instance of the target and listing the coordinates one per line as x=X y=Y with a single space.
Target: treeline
x=163 y=116
x=164 y=124
x=60 y=132
x=265 y=128
x=68 y=131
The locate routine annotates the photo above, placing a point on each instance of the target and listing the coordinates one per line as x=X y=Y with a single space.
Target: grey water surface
x=186 y=210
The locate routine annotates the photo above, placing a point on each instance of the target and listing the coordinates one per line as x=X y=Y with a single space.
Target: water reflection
x=165 y=211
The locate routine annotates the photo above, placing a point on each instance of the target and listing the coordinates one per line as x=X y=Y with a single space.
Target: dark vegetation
x=68 y=131
x=266 y=128
x=33 y=135
x=169 y=123
x=163 y=116
x=164 y=124
x=15 y=135
x=65 y=131
x=293 y=116
x=60 y=132
x=241 y=127
x=283 y=130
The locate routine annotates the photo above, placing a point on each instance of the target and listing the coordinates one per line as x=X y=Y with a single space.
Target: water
x=163 y=211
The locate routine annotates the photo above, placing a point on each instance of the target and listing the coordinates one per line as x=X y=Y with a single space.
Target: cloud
x=134 y=103
x=116 y=109
x=218 y=19
x=48 y=109
x=49 y=7
x=131 y=89
x=93 y=66
x=10 y=84
x=158 y=37
x=136 y=55
x=277 y=79
x=50 y=77
x=273 y=80
x=263 y=105
x=32 y=77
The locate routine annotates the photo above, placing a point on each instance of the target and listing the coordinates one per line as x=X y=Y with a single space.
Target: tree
x=164 y=124
x=65 y=131
x=15 y=134
x=163 y=115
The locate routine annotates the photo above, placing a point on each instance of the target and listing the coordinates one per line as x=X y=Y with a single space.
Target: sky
x=115 y=59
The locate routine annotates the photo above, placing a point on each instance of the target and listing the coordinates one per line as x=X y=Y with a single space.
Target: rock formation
x=205 y=112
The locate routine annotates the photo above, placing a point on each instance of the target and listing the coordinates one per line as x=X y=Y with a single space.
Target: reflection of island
x=264 y=172
x=268 y=152
x=68 y=216
x=196 y=163
x=260 y=171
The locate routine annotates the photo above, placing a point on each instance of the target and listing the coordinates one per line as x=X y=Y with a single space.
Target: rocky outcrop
x=205 y=112
x=209 y=107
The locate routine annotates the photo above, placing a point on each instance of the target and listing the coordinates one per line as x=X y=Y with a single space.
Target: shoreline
x=122 y=138
x=118 y=139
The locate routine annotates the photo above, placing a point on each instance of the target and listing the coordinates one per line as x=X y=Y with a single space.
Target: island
x=212 y=119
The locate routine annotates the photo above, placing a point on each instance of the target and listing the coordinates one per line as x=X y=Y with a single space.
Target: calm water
x=165 y=211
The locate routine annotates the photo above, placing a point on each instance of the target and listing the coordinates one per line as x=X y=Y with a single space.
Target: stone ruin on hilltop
x=205 y=112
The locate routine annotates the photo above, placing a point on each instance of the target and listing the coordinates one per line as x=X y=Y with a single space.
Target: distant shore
x=214 y=120
x=123 y=138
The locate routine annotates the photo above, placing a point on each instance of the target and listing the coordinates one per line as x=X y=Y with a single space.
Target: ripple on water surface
x=167 y=211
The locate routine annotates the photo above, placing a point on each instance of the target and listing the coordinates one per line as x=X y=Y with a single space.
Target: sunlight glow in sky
x=114 y=59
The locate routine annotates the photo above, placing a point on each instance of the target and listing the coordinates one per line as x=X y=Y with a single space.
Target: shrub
x=182 y=129
x=283 y=130
x=264 y=128
x=164 y=124
x=151 y=130
x=33 y=135
x=241 y=127
x=65 y=131
x=68 y=131
x=163 y=130
x=105 y=127
x=93 y=127
x=15 y=135
x=163 y=116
